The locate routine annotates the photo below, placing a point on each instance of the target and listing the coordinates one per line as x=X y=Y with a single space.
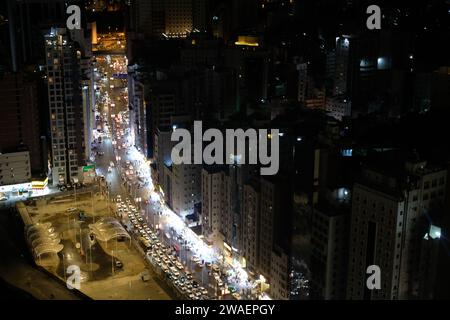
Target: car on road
x=179 y=266
x=72 y=209
x=176 y=273
x=237 y=296
x=118 y=264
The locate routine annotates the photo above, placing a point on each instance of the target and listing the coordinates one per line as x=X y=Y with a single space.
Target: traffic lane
x=113 y=178
x=201 y=275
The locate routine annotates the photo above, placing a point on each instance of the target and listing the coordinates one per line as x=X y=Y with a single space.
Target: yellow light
x=247 y=41
x=240 y=43
x=39 y=184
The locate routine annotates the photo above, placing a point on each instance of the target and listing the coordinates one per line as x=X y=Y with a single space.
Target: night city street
x=223 y=158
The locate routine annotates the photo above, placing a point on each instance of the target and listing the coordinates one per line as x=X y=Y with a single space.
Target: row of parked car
x=70 y=186
x=165 y=258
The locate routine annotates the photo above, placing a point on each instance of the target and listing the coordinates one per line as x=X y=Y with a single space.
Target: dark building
x=20 y=120
x=396 y=205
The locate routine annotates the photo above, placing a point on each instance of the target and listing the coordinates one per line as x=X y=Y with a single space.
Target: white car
x=179 y=266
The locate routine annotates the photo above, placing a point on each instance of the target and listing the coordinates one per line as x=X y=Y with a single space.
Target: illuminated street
x=130 y=177
x=223 y=155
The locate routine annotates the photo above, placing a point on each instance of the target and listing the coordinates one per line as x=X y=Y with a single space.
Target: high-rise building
x=275 y=250
x=162 y=157
x=67 y=113
x=185 y=187
x=251 y=223
x=170 y=18
x=394 y=205
x=20 y=121
x=251 y=64
x=302 y=82
x=178 y=18
x=148 y=17
x=213 y=190
x=329 y=249
x=338 y=64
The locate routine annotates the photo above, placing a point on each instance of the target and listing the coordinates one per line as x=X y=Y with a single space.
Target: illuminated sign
x=39 y=184
x=247 y=41
x=88 y=168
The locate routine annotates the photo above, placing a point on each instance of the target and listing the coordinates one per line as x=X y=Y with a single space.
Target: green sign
x=88 y=168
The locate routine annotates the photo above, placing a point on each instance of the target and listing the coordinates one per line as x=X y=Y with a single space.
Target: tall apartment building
x=329 y=250
x=213 y=194
x=338 y=65
x=67 y=113
x=395 y=204
x=251 y=64
x=27 y=19
x=250 y=216
x=251 y=224
x=162 y=156
x=185 y=187
x=302 y=69
x=276 y=234
x=172 y=18
x=179 y=17
x=20 y=121
x=139 y=117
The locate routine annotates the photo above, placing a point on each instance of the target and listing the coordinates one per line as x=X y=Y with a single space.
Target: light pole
x=112 y=261
x=64 y=267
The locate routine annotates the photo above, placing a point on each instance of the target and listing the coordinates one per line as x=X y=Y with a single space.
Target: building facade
x=67 y=113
